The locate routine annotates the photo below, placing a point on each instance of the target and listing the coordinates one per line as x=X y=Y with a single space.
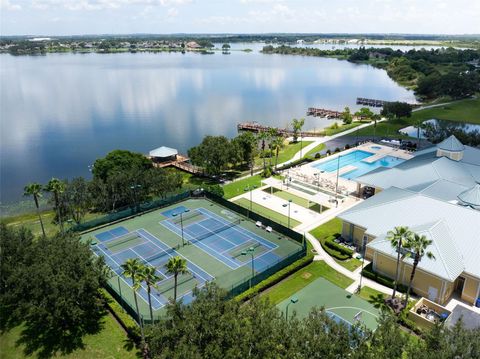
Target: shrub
x=267 y=172
x=318 y=155
x=339 y=248
x=329 y=152
x=347 y=146
x=337 y=150
x=125 y=320
x=275 y=278
x=368 y=272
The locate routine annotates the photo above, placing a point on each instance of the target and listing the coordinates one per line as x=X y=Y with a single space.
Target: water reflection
x=60 y=112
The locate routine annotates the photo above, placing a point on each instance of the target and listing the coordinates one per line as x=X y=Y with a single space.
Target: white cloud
x=7 y=5
x=172 y=12
x=77 y=5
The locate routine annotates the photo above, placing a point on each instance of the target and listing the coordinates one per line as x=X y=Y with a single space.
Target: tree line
x=122 y=178
x=432 y=73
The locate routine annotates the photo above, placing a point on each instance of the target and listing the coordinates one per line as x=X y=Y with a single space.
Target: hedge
x=275 y=278
x=294 y=163
x=368 y=272
x=339 y=248
x=125 y=320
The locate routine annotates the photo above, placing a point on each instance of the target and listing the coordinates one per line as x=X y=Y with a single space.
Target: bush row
x=125 y=320
x=344 y=251
x=275 y=278
x=294 y=163
x=368 y=272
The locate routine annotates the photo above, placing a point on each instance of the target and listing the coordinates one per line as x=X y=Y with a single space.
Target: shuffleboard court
x=218 y=244
x=340 y=305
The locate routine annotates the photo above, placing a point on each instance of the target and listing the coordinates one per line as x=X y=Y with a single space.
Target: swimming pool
x=355 y=158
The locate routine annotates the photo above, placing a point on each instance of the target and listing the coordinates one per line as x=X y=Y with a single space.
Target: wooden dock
x=371 y=102
x=256 y=127
x=321 y=112
x=181 y=162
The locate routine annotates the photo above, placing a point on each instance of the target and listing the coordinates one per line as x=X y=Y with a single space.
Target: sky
x=79 y=17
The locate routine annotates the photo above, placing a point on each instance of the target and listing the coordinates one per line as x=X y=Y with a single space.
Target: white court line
x=128 y=284
x=206 y=280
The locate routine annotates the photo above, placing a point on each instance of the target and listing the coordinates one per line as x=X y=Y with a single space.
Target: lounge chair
x=258 y=224
x=268 y=229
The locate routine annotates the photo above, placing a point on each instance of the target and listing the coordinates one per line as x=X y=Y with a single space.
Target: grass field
x=367 y=292
x=341 y=128
x=460 y=111
x=316 y=149
x=285 y=154
x=267 y=212
x=295 y=199
x=158 y=236
x=110 y=342
x=289 y=286
x=350 y=264
x=322 y=293
x=237 y=188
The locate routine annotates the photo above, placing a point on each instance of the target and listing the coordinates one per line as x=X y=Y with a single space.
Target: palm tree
x=56 y=187
x=398 y=237
x=150 y=278
x=35 y=189
x=277 y=145
x=418 y=124
x=417 y=244
x=375 y=118
x=297 y=127
x=134 y=269
x=263 y=136
x=272 y=134
x=176 y=265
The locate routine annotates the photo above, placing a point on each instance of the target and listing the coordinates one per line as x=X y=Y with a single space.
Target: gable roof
x=471 y=196
x=397 y=207
x=163 y=152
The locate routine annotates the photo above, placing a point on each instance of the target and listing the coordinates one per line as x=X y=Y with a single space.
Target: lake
x=60 y=112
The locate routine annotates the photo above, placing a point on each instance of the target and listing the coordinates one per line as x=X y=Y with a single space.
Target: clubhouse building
x=436 y=194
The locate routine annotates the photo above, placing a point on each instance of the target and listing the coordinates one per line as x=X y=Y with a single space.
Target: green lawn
x=267 y=212
x=305 y=203
x=316 y=149
x=111 y=342
x=329 y=231
x=302 y=278
x=461 y=111
x=367 y=292
x=236 y=188
x=350 y=264
x=285 y=154
x=341 y=128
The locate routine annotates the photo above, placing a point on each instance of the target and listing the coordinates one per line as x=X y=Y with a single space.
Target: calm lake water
x=62 y=111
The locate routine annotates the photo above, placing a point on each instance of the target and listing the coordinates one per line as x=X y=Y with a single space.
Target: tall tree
x=297 y=125
x=57 y=187
x=277 y=144
x=396 y=110
x=212 y=154
x=347 y=116
x=272 y=135
x=78 y=198
x=262 y=137
x=134 y=269
x=35 y=190
x=150 y=277
x=248 y=143
x=175 y=266
x=398 y=237
x=418 y=245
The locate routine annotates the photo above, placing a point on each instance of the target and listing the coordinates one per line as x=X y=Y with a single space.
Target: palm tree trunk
x=138 y=315
x=415 y=264
x=263 y=155
x=399 y=247
x=276 y=159
x=251 y=164
x=418 y=137
x=175 y=288
x=150 y=302
x=39 y=215
x=57 y=204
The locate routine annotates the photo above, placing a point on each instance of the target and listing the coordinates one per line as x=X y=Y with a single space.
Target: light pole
x=250 y=251
x=292 y=301
x=246 y=189
x=285 y=205
x=181 y=221
x=134 y=188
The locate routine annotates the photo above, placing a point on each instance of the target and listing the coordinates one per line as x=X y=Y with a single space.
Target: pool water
x=355 y=158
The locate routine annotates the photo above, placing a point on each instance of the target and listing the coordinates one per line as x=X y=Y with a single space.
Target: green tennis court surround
x=214 y=238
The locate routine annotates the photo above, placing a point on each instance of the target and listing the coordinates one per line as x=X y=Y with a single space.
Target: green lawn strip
x=316 y=149
x=460 y=111
x=295 y=199
x=333 y=131
x=302 y=278
x=110 y=342
x=367 y=292
x=267 y=212
x=285 y=154
x=236 y=188
x=350 y=264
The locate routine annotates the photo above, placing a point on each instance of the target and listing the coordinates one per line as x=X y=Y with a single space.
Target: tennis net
x=164 y=253
x=186 y=216
x=122 y=240
x=212 y=232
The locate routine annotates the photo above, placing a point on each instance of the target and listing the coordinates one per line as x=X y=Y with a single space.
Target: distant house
x=163 y=154
x=193 y=45
x=300 y=42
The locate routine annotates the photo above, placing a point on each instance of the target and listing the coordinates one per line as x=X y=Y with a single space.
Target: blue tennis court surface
x=152 y=251
x=224 y=240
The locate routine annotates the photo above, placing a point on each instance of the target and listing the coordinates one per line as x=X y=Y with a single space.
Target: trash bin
x=477 y=304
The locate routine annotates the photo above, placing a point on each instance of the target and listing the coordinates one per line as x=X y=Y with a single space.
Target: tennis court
x=340 y=305
x=218 y=244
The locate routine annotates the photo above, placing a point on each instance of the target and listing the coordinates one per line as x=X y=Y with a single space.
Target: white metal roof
x=397 y=207
x=451 y=144
x=163 y=152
